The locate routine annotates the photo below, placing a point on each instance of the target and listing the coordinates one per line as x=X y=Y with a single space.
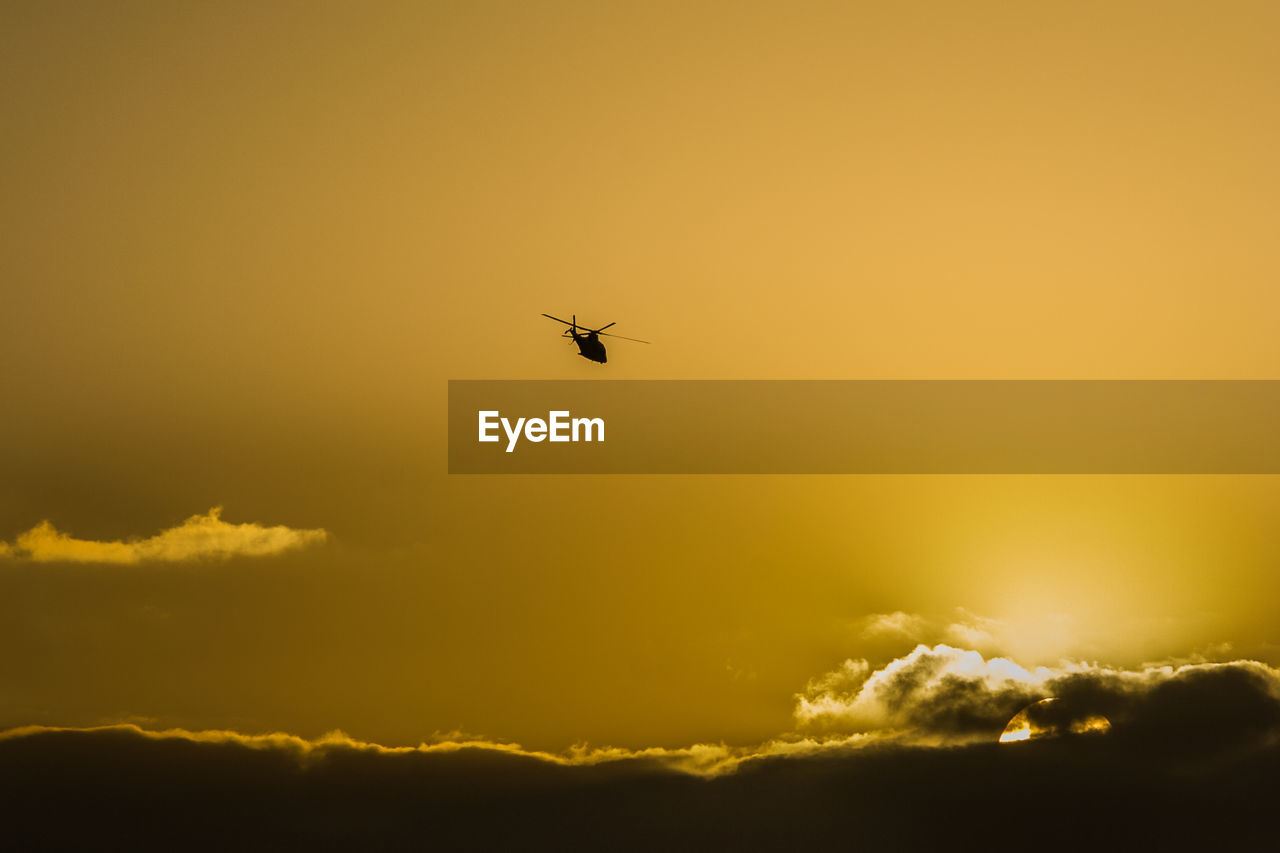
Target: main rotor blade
x=623 y=337
x=599 y=331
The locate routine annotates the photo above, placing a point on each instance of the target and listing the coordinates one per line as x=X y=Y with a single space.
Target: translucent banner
x=864 y=427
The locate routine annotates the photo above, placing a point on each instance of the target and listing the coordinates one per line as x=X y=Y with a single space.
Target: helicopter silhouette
x=589 y=344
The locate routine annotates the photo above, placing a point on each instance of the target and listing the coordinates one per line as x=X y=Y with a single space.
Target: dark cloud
x=1201 y=709
x=1192 y=761
x=1190 y=758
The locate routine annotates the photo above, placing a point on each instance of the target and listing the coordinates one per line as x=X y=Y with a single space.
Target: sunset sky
x=245 y=246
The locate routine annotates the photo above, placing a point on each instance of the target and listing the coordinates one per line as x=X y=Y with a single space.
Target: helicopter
x=589 y=344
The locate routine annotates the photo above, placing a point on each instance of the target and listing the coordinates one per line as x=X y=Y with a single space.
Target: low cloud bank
x=903 y=756
x=124 y=788
x=199 y=537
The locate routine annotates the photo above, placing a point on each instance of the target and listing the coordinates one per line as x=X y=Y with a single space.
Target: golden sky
x=245 y=245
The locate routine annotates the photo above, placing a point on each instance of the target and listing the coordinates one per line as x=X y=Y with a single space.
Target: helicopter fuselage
x=590 y=347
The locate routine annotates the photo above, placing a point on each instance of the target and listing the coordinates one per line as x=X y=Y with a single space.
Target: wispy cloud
x=1048 y=635
x=199 y=537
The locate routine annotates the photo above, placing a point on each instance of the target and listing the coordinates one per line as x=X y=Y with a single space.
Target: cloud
x=934 y=696
x=703 y=760
x=940 y=690
x=946 y=695
x=963 y=629
x=199 y=537
x=896 y=756
x=896 y=625
x=72 y=788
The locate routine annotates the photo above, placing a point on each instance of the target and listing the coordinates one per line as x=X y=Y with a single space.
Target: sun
x=1044 y=719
